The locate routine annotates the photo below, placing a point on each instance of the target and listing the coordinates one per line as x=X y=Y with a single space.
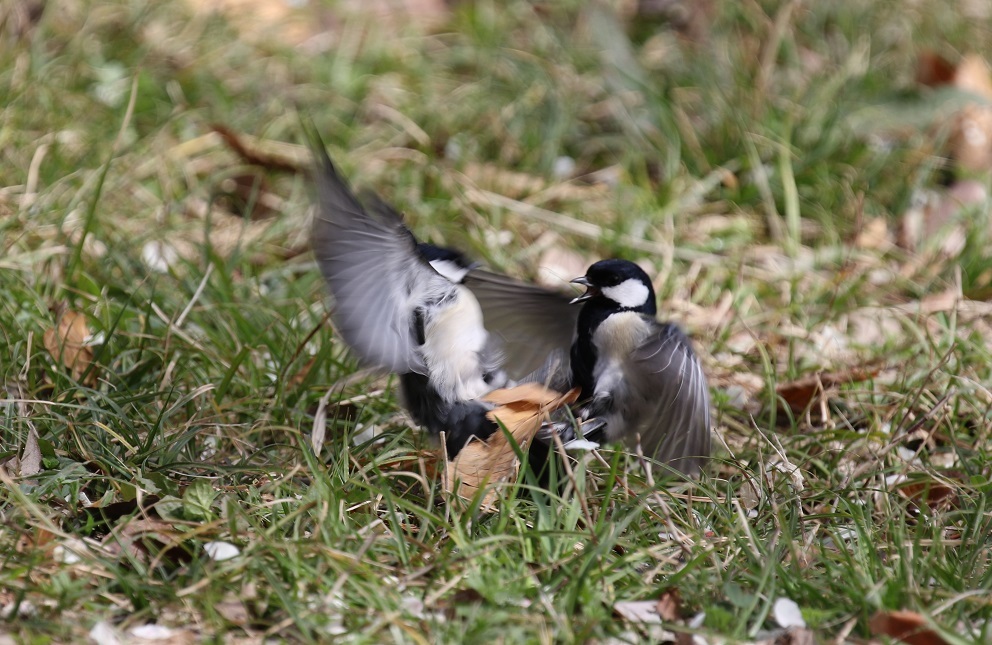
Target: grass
x=744 y=167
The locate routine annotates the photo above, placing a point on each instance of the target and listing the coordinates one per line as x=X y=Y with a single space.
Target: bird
x=641 y=382
x=453 y=332
x=638 y=375
x=398 y=313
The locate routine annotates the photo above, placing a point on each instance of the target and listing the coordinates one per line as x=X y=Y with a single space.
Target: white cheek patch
x=450 y=270
x=629 y=294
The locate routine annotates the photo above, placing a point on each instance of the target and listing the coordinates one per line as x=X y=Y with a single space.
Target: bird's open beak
x=590 y=290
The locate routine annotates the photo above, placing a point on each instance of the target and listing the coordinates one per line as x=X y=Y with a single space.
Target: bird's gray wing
x=675 y=421
x=531 y=323
x=378 y=280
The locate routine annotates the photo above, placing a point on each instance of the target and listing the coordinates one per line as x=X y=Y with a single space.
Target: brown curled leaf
x=521 y=411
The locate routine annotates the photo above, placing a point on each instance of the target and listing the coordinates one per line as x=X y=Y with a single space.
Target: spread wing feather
x=374 y=272
x=530 y=322
x=675 y=422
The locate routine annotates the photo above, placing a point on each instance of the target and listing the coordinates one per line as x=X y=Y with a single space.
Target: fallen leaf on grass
x=31 y=455
x=929 y=493
x=933 y=70
x=638 y=611
x=906 y=626
x=480 y=463
x=802 y=393
x=233 y=610
x=140 y=538
x=67 y=343
x=669 y=606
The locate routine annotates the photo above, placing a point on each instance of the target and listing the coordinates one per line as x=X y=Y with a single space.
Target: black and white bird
x=454 y=332
x=639 y=377
x=398 y=313
x=637 y=374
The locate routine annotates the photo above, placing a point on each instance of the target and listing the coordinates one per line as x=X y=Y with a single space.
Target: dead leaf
x=67 y=343
x=247 y=194
x=480 y=463
x=800 y=394
x=638 y=611
x=670 y=606
x=40 y=540
x=233 y=610
x=138 y=538
x=31 y=456
x=933 y=70
x=906 y=626
x=931 y=493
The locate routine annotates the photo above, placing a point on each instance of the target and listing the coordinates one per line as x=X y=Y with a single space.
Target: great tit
x=453 y=332
x=396 y=312
x=639 y=375
x=640 y=378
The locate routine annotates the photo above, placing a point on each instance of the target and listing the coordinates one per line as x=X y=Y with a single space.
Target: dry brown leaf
x=233 y=610
x=31 y=455
x=906 y=626
x=802 y=393
x=67 y=343
x=934 y=494
x=132 y=537
x=480 y=463
x=933 y=70
x=670 y=606
x=41 y=539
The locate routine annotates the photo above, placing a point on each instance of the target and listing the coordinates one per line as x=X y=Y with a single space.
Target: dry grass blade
x=521 y=411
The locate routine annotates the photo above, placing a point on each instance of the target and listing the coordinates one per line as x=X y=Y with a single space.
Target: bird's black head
x=452 y=264
x=619 y=285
